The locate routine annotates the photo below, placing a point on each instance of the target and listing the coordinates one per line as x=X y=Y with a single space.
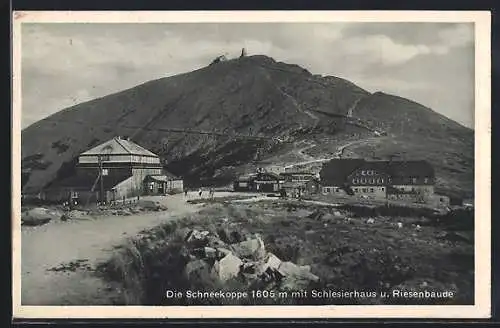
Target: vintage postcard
x=251 y=164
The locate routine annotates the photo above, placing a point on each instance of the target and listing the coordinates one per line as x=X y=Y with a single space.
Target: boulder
x=124 y=212
x=151 y=205
x=230 y=236
x=198 y=238
x=196 y=269
x=75 y=215
x=210 y=253
x=305 y=267
x=288 y=269
x=370 y=221
x=222 y=252
x=38 y=216
x=134 y=210
x=253 y=248
x=215 y=242
x=271 y=262
x=295 y=277
x=228 y=267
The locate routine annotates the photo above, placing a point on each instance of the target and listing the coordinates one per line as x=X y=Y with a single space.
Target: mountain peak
x=247 y=95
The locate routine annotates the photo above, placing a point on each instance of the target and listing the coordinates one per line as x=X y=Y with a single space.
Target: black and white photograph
x=253 y=166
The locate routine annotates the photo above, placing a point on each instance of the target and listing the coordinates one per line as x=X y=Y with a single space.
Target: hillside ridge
x=254 y=95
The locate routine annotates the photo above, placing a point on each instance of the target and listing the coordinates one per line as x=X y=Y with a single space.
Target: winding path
x=90 y=242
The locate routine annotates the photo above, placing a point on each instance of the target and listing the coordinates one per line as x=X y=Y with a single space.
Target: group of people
x=211 y=193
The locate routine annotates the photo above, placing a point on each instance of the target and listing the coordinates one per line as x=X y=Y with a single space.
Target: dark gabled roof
x=397 y=169
x=334 y=172
x=419 y=168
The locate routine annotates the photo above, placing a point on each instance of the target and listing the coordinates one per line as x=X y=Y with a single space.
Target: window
x=383 y=188
x=354 y=181
x=363 y=181
x=412 y=189
x=414 y=180
x=363 y=172
x=337 y=190
x=426 y=180
x=371 y=190
x=364 y=189
x=356 y=189
x=372 y=181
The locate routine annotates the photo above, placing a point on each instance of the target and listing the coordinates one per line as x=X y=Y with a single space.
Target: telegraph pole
x=102 y=179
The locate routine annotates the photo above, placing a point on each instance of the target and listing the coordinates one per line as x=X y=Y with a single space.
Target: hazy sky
x=65 y=64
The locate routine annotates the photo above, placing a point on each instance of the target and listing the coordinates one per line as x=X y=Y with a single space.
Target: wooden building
x=258 y=182
x=163 y=184
x=120 y=168
x=406 y=180
x=298 y=183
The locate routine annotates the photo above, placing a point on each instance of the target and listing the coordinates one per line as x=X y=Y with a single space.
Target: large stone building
x=409 y=180
x=121 y=168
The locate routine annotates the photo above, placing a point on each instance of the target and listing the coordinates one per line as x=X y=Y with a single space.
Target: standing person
x=185 y=192
x=211 y=193
x=200 y=192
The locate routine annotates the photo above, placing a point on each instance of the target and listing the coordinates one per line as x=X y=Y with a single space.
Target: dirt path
x=338 y=152
x=89 y=241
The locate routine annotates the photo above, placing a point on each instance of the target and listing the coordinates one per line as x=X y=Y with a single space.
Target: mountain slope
x=252 y=96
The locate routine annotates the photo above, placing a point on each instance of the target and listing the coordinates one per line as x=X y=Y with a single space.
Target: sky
x=64 y=64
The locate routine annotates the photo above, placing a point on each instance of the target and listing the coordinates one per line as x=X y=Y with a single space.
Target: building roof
x=293 y=184
x=335 y=171
x=119 y=146
x=163 y=177
x=268 y=174
x=419 y=168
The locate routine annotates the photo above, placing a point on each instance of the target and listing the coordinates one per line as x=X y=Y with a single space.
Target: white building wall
x=119 y=159
x=370 y=191
x=423 y=189
x=333 y=190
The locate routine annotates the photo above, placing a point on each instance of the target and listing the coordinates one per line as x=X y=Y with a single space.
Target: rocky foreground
x=227 y=255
